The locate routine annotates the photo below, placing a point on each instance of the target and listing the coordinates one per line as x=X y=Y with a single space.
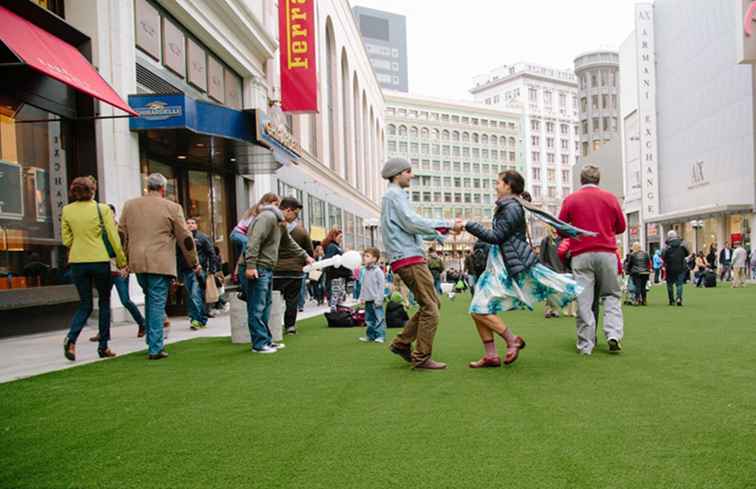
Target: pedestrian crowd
x=576 y=270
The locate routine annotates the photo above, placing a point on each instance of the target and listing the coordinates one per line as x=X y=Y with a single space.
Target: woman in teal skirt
x=514 y=278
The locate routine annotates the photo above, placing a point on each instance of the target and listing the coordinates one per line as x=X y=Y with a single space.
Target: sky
x=449 y=42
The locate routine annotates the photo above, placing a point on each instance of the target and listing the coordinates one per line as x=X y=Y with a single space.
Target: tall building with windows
x=385 y=37
x=598 y=96
x=547 y=99
x=457 y=149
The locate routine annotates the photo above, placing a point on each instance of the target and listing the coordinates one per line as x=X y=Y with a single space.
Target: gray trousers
x=596 y=272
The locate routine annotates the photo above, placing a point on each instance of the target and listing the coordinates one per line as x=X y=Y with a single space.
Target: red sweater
x=594 y=209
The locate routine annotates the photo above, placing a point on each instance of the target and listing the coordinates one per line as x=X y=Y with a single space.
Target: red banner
x=299 y=74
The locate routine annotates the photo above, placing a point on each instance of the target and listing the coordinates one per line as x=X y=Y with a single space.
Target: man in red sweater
x=594 y=259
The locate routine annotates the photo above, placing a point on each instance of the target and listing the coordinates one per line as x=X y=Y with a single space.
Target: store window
x=316 y=212
x=34 y=176
x=335 y=216
x=349 y=236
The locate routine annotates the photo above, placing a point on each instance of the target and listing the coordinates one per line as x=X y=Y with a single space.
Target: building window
x=550 y=127
x=596 y=124
x=584 y=123
x=550 y=142
x=536 y=173
x=564 y=144
x=605 y=101
x=606 y=123
x=551 y=175
x=537 y=192
x=536 y=156
x=565 y=176
x=565 y=159
x=533 y=95
x=595 y=102
x=535 y=140
x=584 y=104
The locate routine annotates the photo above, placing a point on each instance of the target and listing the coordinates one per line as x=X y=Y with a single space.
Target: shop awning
x=254 y=145
x=695 y=213
x=55 y=58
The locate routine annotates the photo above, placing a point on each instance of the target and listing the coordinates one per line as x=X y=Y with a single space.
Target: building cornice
x=438 y=104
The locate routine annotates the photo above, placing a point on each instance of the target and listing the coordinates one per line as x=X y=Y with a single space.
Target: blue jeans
x=375 y=319
x=83 y=275
x=195 y=295
x=259 y=298
x=239 y=242
x=437 y=284
x=155 y=289
x=303 y=292
x=122 y=287
x=676 y=281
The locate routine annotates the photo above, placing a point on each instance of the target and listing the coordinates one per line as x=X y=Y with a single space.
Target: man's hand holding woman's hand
x=251 y=274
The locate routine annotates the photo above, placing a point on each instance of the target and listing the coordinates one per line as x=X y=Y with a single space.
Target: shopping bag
x=211 y=290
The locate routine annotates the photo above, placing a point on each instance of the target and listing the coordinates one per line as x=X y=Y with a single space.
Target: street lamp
x=697 y=224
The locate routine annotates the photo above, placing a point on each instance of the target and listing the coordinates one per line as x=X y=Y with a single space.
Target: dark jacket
x=509 y=232
x=638 y=263
x=723 y=260
x=469 y=264
x=205 y=254
x=332 y=273
x=290 y=262
x=396 y=316
x=549 y=254
x=674 y=256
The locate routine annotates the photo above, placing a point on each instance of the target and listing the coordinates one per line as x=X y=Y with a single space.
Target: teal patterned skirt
x=497 y=292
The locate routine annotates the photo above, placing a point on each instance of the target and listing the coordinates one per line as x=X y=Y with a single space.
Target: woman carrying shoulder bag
x=89 y=232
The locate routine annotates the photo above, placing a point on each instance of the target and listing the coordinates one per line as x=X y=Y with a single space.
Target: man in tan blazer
x=151 y=226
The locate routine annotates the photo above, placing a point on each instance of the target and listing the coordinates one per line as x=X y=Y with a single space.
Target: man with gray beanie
x=403 y=234
x=675 y=256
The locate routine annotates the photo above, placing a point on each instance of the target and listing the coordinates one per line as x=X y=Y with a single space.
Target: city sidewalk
x=26 y=356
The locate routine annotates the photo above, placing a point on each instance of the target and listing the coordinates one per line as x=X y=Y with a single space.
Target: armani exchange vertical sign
x=644 y=29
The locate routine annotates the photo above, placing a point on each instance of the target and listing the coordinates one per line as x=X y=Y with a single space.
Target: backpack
x=479 y=258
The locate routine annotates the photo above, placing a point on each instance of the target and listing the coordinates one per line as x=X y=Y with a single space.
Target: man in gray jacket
x=267 y=235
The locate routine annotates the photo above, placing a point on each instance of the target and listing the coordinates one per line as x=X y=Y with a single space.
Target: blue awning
x=254 y=150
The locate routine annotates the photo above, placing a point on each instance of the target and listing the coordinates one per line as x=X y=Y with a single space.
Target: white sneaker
x=379 y=340
x=363 y=339
x=267 y=349
x=277 y=346
x=226 y=307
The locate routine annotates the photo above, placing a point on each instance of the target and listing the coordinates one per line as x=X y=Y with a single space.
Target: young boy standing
x=371 y=294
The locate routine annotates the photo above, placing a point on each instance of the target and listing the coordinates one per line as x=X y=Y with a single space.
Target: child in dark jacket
x=396 y=315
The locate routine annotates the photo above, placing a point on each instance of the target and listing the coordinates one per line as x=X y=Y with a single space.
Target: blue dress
x=496 y=291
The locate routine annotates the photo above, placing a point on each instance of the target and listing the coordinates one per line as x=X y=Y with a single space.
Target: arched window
x=358 y=141
x=484 y=139
x=424 y=132
x=331 y=94
x=403 y=130
x=445 y=135
x=475 y=137
x=494 y=140
x=465 y=137
x=512 y=142
x=413 y=132
x=434 y=135
x=455 y=136
x=391 y=130
x=347 y=142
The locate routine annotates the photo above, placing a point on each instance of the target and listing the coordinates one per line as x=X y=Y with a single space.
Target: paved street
x=26 y=356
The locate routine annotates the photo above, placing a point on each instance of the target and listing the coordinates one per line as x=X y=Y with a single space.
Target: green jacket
x=267 y=235
x=436 y=265
x=289 y=261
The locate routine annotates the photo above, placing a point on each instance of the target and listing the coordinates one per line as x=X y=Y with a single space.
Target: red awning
x=55 y=58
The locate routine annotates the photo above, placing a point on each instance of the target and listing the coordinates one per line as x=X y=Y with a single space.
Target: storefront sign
x=174 y=45
x=158 y=110
x=273 y=133
x=746 y=16
x=58 y=177
x=299 y=76
x=147 y=28
x=644 y=28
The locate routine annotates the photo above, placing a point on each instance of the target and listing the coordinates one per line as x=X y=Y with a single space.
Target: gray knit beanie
x=394 y=167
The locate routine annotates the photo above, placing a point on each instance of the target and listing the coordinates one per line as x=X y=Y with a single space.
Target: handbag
x=315 y=275
x=211 y=290
x=104 y=234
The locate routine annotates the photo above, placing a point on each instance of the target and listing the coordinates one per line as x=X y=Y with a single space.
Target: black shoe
x=242 y=296
x=405 y=353
x=671 y=303
x=158 y=356
x=69 y=349
x=679 y=302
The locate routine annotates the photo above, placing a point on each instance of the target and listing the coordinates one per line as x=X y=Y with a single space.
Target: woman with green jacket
x=86 y=226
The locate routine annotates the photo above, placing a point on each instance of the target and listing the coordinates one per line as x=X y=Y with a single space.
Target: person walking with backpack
x=513 y=279
x=403 y=234
x=675 y=257
x=88 y=230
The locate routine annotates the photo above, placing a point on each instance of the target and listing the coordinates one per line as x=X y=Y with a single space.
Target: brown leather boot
x=431 y=364
x=95 y=338
x=105 y=353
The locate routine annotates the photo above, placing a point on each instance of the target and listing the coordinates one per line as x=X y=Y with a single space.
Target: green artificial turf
x=677 y=409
